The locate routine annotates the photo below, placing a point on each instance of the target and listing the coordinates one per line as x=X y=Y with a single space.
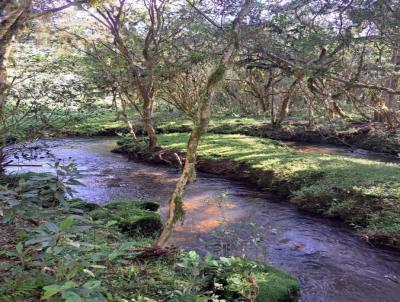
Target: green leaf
x=111 y=223
x=92 y=284
x=71 y=296
x=19 y=247
x=51 y=290
x=68 y=285
x=67 y=223
x=52 y=227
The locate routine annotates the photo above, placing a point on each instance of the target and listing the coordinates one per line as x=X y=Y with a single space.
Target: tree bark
x=393 y=80
x=147 y=113
x=286 y=104
x=176 y=210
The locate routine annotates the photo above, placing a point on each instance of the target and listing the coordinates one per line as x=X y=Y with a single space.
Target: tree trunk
x=310 y=114
x=13 y=16
x=129 y=124
x=273 y=116
x=147 y=112
x=283 y=113
x=176 y=211
x=286 y=104
x=217 y=75
x=393 y=80
x=339 y=110
x=145 y=91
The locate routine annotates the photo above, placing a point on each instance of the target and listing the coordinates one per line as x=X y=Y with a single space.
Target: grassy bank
x=363 y=193
x=55 y=249
x=368 y=136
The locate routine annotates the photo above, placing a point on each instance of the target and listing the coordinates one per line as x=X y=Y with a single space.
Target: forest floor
x=71 y=250
x=364 y=193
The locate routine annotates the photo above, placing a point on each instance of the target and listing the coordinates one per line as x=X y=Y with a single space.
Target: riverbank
x=364 y=135
x=363 y=193
x=70 y=250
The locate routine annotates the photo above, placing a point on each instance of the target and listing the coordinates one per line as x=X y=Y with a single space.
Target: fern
x=15 y=290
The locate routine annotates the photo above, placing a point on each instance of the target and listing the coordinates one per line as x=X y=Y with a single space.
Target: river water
x=228 y=217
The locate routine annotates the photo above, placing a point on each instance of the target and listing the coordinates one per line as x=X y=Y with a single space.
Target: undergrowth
x=68 y=250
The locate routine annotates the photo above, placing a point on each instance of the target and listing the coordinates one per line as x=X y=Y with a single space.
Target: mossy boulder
x=82 y=205
x=244 y=280
x=132 y=217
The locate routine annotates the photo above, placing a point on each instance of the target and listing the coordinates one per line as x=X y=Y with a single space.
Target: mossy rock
x=263 y=282
x=276 y=286
x=82 y=205
x=132 y=217
x=148 y=205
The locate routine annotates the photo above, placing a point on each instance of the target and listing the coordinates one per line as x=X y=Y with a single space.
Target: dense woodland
x=213 y=84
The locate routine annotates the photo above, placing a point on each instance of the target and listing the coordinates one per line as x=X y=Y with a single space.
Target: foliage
x=74 y=251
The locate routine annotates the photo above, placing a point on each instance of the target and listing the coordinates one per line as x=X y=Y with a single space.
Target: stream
x=228 y=217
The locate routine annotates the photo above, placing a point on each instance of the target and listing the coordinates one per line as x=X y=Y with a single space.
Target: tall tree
x=139 y=40
x=14 y=15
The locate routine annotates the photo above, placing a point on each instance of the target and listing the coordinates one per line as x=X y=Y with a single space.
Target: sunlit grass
x=332 y=184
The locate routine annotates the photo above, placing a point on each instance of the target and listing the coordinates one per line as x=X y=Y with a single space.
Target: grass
x=363 y=192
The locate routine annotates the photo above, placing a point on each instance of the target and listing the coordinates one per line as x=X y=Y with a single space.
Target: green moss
x=246 y=278
x=82 y=205
x=130 y=216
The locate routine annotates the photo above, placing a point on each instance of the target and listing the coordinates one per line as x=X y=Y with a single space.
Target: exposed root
x=163 y=159
x=178 y=159
x=166 y=157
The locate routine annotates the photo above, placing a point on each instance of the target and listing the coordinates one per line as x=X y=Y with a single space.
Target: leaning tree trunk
x=339 y=110
x=176 y=210
x=216 y=76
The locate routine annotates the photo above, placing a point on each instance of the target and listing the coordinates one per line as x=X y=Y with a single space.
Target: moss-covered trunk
x=175 y=203
x=201 y=123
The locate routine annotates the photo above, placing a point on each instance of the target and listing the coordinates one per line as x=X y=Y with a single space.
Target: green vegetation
x=362 y=192
x=105 y=122
x=131 y=217
x=69 y=250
